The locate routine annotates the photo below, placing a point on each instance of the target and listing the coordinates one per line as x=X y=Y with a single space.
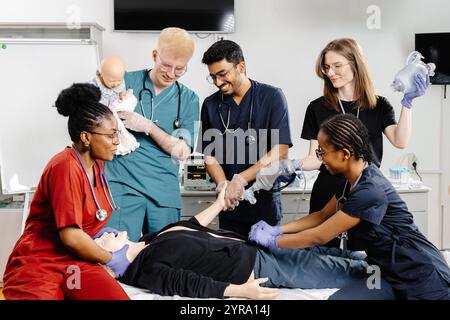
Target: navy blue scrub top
x=407 y=260
x=270 y=111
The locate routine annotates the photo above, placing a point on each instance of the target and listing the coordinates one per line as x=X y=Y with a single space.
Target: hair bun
x=71 y=99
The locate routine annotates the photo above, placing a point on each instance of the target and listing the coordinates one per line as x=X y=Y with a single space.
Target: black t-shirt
x=376 y=120
x=191 y=263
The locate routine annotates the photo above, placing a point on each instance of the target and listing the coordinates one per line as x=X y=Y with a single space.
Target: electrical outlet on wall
x=412 y=158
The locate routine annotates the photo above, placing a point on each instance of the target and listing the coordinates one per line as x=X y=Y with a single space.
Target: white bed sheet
x=285 y=294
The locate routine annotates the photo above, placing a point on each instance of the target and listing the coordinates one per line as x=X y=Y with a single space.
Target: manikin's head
x=112 y=71
x=171 y=56
x=112 y=243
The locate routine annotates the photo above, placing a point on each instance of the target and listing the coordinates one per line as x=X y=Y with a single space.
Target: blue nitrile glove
x=264 y=238
x=287 y=178
x=119 y=262
x=421 y=84
x=103 y=230
x=262 y=225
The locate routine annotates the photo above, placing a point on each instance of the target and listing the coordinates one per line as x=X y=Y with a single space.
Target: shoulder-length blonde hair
x=364 y=94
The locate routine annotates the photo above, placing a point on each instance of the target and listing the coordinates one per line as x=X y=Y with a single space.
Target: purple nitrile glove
x=264 y=238
x=254 y=227
x=421 y=84
x=103 y=230
x=262 y=225
x=287 y=178
x=119 y=261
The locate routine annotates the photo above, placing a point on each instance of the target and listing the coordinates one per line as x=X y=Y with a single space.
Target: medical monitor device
x=197 y=16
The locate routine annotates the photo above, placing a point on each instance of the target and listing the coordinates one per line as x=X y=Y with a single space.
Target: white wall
x=281 y=40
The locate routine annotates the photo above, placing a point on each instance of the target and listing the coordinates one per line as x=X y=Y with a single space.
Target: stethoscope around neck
x=343 y=198
x=100 y=214
x=249 y=139
x=176 y=122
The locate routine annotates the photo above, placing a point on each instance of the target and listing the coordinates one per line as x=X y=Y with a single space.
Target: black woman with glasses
x=56 y=257
x=348 y=88
x=145 y=182
x=404 y=263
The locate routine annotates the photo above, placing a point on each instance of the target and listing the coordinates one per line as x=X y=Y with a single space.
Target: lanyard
x=343 y=111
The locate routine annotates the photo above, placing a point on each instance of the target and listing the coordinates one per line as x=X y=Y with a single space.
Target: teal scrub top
x=148 y=170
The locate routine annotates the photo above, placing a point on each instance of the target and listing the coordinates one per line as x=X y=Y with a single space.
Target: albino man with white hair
x=145 y=182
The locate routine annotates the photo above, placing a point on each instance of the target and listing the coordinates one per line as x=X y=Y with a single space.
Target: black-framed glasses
x=166 y=67
x=320 y=153
x=113 y=136
x=222 y=75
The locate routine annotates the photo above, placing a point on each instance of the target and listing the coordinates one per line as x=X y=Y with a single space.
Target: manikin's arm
x=83 y=246
x=174 y=146
x=206 y=216
x=310 y=162
x=399 y=134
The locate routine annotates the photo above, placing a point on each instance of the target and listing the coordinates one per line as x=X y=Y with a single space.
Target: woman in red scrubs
x=56 y=258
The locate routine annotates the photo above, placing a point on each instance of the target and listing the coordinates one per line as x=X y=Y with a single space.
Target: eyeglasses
x=222 y=75
x=113 y=136
x=320 y=153
x=166 y=67
x=337 y=68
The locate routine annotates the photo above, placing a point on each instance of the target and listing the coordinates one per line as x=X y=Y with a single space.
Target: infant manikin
x=110 y=81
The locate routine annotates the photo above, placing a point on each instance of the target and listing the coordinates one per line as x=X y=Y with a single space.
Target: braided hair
x=347 y=131
x=80 y=102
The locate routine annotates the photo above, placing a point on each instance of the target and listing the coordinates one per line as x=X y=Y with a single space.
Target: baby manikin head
x=112 y=71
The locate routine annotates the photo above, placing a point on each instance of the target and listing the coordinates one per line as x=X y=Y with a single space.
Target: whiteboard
x=31 y=130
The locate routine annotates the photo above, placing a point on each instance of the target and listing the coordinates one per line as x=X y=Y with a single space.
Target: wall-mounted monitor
x=435 y=47
x=201 y=16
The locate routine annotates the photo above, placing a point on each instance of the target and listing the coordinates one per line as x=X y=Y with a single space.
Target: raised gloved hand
x=119 y=261
x=235 y=191
x=103 y=230
x=134 y=121
x=264 y=226
x=421 y=84
x=264 y=238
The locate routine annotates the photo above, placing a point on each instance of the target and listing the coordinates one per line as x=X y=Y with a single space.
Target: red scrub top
x=63 y=198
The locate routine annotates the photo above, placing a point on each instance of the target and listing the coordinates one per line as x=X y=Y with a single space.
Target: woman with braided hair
x=406 y=264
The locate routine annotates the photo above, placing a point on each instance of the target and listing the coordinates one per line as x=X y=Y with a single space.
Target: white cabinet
x=417 y=202
x=295 y=204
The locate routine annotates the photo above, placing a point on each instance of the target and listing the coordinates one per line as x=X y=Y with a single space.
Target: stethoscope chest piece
x=101 y=214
